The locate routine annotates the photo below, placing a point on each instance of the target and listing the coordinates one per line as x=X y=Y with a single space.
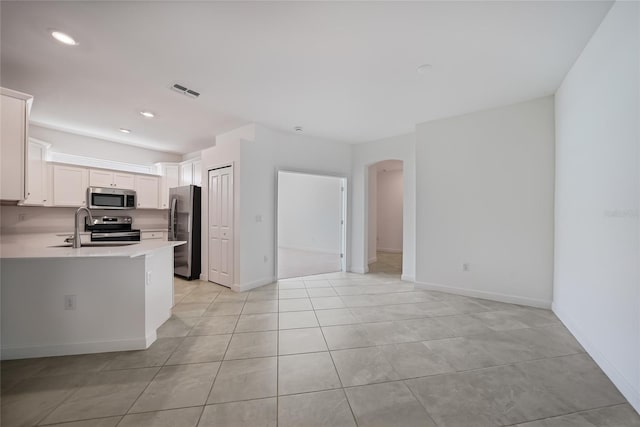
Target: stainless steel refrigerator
x=184 y=224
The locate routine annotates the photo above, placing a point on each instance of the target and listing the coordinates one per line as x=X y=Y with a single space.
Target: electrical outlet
x=22 y=217
x=69 y=302
x=466 y=266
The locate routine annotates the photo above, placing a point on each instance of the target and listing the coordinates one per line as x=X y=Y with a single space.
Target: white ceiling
x=341 y=70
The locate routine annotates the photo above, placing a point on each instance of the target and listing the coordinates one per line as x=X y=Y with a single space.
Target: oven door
x=115 y=236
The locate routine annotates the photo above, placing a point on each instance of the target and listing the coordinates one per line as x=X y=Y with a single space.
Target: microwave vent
x=185 y=90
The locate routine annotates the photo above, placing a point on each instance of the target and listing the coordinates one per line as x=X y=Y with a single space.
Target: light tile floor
x=332 y=350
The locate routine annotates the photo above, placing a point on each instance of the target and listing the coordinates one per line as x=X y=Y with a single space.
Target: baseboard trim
x=358 y=270
x=243 y=287
x=494 y=296
x=407 y=278
x=372 y=260
x=627 y=389
x=27 y=352
x=203 y=277
x=390 y=250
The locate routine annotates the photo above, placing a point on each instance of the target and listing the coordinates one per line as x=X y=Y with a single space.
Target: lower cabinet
x=154 y=235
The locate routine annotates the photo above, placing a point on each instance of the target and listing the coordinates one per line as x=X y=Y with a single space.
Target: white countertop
x=15 y=249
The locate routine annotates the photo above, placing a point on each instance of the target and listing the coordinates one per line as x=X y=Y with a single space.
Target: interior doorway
x=385 y=213
x=311 y=226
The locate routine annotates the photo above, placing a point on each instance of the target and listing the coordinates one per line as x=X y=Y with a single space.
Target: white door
x=221 y=226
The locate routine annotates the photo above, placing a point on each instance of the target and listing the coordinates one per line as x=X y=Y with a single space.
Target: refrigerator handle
x=172 y=219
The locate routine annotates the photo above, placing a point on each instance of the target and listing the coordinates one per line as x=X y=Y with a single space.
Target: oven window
x=107 y=200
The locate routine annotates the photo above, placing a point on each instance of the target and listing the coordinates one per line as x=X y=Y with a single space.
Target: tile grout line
x=335 y=367
x=566 y=414
x=215 y=377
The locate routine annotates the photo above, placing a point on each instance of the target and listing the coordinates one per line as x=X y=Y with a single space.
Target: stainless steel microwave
x=110 y=198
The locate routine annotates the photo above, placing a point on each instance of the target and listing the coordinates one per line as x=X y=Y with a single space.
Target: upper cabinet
x=70 y=185
x=197 y=172
x=191 y=172
x=169 y=178
x=115 y=179
x=147 y=191
x=14 y=120
x=37 y=174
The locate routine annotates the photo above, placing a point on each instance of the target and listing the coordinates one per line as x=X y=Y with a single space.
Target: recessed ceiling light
x=64 y=38
x=424 y=68
x=298 y=128
x=123 y=130
x=148 y=114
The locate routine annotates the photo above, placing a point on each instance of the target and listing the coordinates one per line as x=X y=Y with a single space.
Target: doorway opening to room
x=311 y=224
x=385 y=217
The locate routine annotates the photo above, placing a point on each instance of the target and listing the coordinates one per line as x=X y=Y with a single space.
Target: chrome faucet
x=76 y=226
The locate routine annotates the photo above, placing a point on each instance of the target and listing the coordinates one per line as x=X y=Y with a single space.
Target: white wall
x=389 y=210
x=400 y=147
x=309 y=212
x=485 y=197
x=79 y=145
x=372 y=192
x=272 y=150
x=597 y=273
x=257 y=153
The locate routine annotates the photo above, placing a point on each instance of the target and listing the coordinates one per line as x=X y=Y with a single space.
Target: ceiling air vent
x=185 y=90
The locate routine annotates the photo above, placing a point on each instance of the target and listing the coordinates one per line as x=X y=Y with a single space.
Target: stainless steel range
x=112 y=229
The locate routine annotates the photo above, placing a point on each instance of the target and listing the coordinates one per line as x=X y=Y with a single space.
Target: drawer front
x=147 y=235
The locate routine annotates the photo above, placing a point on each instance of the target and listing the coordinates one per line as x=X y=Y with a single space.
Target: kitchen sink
x=96 y=244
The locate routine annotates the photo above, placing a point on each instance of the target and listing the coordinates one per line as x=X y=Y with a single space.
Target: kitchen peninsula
x=62 y=301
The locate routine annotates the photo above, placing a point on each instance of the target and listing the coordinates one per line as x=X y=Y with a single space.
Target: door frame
x=233 y=217
x=345 y=213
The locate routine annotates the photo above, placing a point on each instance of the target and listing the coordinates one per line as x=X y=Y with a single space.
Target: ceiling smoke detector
x=424 y=68
x=185 y=90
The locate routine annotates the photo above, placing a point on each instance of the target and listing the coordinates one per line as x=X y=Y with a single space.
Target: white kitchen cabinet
x=107 y=178
x=191 y=172
x=170 y=178
x=197 y=173
x=186 y=173
x=37 y=174
x=70 y=185
x=14 y=121
x=147 y=191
